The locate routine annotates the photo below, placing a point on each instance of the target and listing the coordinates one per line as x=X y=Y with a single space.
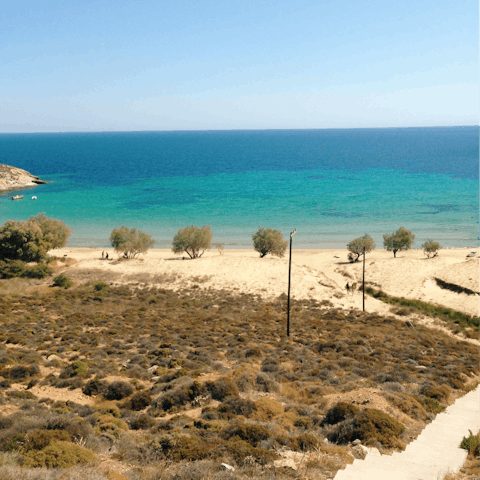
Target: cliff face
x=12 y=178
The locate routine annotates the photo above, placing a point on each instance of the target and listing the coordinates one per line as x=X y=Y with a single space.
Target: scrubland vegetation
x=151 y=383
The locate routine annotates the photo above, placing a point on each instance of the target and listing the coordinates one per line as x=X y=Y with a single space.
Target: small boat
x=34 y=197
x=17 y=197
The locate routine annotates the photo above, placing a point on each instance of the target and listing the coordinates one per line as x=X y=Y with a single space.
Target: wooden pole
x=363 y=283
x=289 y=277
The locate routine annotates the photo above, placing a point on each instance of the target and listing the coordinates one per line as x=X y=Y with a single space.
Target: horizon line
x=234 y=129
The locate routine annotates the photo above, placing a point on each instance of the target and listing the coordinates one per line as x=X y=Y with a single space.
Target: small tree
x=356 y=247
x=269 y=241
x=402 y=239
x=193 y=241
x=431 y=248
x=130 y=241
x=30 y=241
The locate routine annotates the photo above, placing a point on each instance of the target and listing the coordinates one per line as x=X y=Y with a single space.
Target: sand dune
x=318 y=274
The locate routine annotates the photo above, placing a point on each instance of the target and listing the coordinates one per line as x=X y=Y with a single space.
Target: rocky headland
x=12 y=178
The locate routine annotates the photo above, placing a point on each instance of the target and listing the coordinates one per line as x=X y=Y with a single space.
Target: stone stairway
x=434 y=453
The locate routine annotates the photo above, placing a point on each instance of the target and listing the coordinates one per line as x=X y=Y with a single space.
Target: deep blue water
x=332 y=185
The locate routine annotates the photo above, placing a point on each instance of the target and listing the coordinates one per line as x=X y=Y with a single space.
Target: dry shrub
x=265 y=383
x=303 y=443
x=222 y=388
x=249 y=432
x=267 y=409
x=139 y=401
x=118 y=390
x=408 y=405
x=440 y=393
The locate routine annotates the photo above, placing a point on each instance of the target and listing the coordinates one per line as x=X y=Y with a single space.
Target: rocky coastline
x=12 y=178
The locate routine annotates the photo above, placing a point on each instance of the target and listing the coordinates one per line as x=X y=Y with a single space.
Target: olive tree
x=431 y=248
x=360 y=245
x=193 y=241
x=130 y=242
x=402 y=239
x=29 y=241
x=269 y=241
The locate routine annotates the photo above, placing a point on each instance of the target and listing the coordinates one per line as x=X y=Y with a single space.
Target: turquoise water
x=237 y=181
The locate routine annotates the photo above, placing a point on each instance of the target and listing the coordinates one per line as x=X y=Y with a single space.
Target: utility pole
x=289 y=275
x=363 y=283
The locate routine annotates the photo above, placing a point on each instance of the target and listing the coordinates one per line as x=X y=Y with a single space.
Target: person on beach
x=348 y=288
x=106 y=256
x=103 y=255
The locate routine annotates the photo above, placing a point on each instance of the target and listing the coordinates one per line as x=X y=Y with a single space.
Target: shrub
x=303 y=443
x=39 y=439
x=440 y=393
x=41 y=270
x=75 y=369
x=139 y=401
x=94 y=387
x=266 y=409
x=12 y=268
x=472 y=444
x=431 y=248
x=237 y=406
x=222 y=388
x=250 y=432
x=370 y=426
x=267 y=241
x=402 y=239
x=58 y=454
x=193 y=241
x=62 y=281
x=357 y=246
x=30 y=241
x=118 y=390
x=109 y=425
x=340 y=412
x=130 y=242
x=142 y=422
x=100 y=286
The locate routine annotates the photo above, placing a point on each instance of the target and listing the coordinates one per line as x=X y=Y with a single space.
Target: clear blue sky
x=205 y=64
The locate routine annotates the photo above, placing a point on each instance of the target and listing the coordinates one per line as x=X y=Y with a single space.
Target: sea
x=331 y=185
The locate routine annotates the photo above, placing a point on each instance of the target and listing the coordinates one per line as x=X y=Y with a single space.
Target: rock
x=155 y=379
x=370 y=450
x=12 y=178
x=225 y=466
x=152 y=369
x=359 y=452
x=285 y=462
x=357 y=442
x=54 y=358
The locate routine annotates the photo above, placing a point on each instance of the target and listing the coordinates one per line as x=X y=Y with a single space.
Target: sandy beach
x=316 y=274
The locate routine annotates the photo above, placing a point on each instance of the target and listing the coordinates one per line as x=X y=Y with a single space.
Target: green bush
x=58 y=454
x=62 y=281
x=130 y=241
x=303 y=443
x=267 y=241
x=75 y=369
x=39 y=439
x=472 y=444
x=30 y=241
x=193 y=241
x=41 y=270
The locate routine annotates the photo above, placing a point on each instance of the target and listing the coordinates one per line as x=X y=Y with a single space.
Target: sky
x=217 y=65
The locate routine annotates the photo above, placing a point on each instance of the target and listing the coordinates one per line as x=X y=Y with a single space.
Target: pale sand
x=316 y=274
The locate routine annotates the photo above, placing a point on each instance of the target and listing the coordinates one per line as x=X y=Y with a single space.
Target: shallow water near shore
x=332 y=185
